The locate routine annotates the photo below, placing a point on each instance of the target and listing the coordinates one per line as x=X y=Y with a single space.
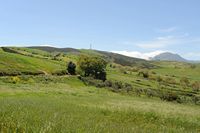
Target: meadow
x=65 y=104
x=36 y=95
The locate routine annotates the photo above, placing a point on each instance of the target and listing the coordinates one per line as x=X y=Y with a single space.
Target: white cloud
x=141 y=55
x=47 y=45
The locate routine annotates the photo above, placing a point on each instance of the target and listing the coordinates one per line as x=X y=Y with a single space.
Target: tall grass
x=70 y=106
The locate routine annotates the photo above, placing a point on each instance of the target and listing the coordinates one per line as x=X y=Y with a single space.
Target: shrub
x=128 y=87
x=196 y=86
x=150 y=93
x=15 y=79
x=153 y=77
x=159 y=79
x=101 y=75
x=138 y=91
x=153 y=72
x=184 y=82
x=168 y=96
x=170 y=80
x=117 y=85
x=113 y=85
x=134 y=69
x=144 y=73
x=125 y=72
x=196 y=100
x=108 y=83
x=71 y=68
x=192 y=66
x=92 y=81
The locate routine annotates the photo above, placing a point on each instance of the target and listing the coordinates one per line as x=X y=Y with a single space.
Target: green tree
x=93 y=66
x=71 y=68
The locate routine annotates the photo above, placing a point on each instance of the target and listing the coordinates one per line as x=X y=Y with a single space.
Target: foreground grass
x=70 y=106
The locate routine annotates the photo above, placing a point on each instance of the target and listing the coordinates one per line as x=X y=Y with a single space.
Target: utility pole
x=90 y=46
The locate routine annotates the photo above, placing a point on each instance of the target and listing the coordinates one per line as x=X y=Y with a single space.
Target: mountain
x=167 y=56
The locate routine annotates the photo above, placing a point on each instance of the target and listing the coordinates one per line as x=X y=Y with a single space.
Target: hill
x=19 y=61
x=111 y=57
x=167 y=56
x=50 y=60
x=36 y=94
x=53 y=49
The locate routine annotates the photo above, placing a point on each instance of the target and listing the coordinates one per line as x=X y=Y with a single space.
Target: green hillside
x=111 y=57
x=36 y=94
x=12 y=63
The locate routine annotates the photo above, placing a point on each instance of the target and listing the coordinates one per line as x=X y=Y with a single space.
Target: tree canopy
x=93 y=66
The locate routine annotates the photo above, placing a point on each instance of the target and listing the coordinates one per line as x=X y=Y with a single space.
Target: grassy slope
x=178 y=69
x=10 y=62
x=70 y=106
x=116 y=58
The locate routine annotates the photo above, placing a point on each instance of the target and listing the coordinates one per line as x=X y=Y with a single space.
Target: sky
x=138 y=28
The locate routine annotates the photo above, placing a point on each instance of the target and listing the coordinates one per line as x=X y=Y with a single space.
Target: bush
x=184 y=82
x=15 y=79
x=196 y=100
x=92 y=81
x=193 y=66
x=138 y=91
x=113 y=85
x=135 y=69
x=153 y=72
x=101 y=75
x=128 y=87
x=168 y=96
x=71 y=68
x=159 y=79
x=108 y=83
x=196 y=86
x=117 y=85
x=150 y=93
x=153 y=77
x=170 y=80
x=144 y=73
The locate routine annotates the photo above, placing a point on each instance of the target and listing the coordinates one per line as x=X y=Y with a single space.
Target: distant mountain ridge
x=167 y=56
x=54 y=49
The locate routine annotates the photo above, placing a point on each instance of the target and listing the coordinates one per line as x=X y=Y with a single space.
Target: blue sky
x=135 y=27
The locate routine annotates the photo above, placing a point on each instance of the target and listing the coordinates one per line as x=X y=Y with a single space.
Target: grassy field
x=192 y=71
x=47 y=103
x=66 y=105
